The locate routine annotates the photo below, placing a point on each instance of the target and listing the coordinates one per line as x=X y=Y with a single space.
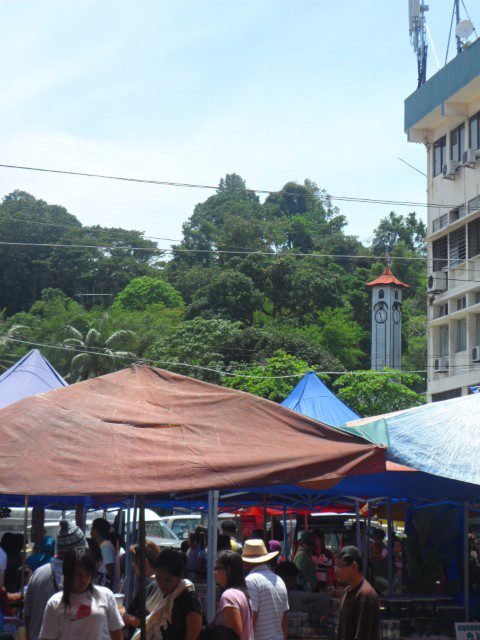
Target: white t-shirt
x=87 y=618
x=269 y=600
x=108 y=555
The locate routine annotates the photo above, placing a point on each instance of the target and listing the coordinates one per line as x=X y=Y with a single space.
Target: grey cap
x=69 y=537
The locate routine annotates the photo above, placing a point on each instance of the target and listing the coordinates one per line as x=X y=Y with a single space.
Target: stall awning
x=145 y=430
x=313 y=399
x=31 y=375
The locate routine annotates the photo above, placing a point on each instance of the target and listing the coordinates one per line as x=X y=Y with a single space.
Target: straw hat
x=255 y=552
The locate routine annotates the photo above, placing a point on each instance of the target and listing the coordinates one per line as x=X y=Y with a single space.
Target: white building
x=444 y=114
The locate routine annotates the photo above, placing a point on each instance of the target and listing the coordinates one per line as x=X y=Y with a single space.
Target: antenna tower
x=417 y=30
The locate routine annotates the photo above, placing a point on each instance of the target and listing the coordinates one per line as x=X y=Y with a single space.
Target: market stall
x=146 y=431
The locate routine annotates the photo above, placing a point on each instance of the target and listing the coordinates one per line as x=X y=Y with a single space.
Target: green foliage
x=216 y=305
x=96 y=351
x=140 y=293
x=262 y=381
x=209 y=343
x=371 y=393
x=229 y=294
x=395 y=228
x=341 y=335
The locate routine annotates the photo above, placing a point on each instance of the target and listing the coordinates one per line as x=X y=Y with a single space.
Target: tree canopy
x=256 y=288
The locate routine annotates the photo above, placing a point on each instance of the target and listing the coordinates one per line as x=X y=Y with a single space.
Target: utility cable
x=190 y=185
x=277 y=254
x=189 y=365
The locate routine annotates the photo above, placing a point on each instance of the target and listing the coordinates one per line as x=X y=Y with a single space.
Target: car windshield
x=183 y=526
x=157 y=529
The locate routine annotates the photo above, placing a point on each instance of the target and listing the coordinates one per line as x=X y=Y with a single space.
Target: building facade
x=444 y=114
x=386 y=348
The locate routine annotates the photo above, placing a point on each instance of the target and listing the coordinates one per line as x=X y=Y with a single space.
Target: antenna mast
x=417 y=30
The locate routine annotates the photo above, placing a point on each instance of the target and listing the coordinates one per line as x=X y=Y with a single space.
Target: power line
x=188 y=365
x=189 y=185
x=276 y=254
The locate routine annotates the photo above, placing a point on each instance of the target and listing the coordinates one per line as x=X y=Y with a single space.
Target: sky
x=189 y=90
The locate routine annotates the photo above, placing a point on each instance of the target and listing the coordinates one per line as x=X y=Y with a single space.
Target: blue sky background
x=274 y=90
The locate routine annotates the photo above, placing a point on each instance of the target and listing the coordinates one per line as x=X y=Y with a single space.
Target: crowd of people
x=71 y=592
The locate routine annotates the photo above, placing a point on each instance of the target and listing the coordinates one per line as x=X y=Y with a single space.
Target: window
x=457 y=143
x=475 y=131
x=477 y=329
x=441 y=222
x=381 y=293
x=461 y=303
x=396 y=294
x=443 y=349
x=461 y=334
x=443 y=310
x=474 y=204
x=474 y=238
x=439 y=253
x=458 y=246
x=439 y=155
x=446 y=395
x=477 y=297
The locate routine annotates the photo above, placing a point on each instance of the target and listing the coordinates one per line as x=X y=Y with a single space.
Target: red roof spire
x=387 y=278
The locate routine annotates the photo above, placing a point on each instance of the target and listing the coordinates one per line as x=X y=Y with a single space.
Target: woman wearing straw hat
x=268 y=593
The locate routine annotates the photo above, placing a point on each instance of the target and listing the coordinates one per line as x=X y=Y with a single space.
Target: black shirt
x=134 y=607
x=185 y=603
x=359 y=617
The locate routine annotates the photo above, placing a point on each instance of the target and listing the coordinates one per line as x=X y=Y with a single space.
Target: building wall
x=454 y=330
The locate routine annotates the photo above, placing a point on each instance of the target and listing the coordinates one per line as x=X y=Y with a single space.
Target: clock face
x=397 y=316
x=381 y=316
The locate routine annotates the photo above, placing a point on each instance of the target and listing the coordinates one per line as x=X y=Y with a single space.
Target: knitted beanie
x=69 y=537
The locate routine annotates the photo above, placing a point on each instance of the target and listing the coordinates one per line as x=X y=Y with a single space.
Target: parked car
x=185 y=523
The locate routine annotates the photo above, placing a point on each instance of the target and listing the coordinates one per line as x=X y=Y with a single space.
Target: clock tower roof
x=387 y=278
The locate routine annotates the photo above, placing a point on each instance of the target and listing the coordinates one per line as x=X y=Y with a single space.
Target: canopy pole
x=357 y=523
x=212 y=533
x=24 y=553
x=265 y=517
x=390 y=547
x=128 y=541
x=285 y=533
x=143 y=577
x=292 y=538
x=466 y=557
x=366 y=551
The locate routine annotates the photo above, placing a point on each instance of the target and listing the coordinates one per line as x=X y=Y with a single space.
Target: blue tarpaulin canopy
x=313 y=399
x=440 y=438
x=31 y=375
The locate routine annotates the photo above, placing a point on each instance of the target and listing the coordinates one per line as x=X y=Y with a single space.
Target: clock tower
x=387 y=320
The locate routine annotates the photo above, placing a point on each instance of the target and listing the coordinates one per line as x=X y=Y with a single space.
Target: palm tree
x=7 y=341
x=96 y=352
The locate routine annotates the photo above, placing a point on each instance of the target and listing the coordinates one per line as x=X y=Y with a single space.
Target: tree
x=211 y=343
x=140 y=293
x=229 y=294
x=266 y=380
x=25 y=270
x=97 y=352
x=338 y=332
x=371 y=393
x=396 y=228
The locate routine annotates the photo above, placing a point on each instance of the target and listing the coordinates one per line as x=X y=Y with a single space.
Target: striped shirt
x=269 y=600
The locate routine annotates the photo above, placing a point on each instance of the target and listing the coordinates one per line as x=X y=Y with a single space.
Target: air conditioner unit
x=437 y=282
x=449 y=169
x=476 y=354
x=441 y=365
x=470 y=157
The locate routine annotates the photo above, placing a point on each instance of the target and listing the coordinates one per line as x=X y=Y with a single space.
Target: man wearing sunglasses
x=359 y=607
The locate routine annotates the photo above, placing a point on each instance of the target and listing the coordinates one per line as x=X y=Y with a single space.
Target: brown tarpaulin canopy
x=145 y=430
